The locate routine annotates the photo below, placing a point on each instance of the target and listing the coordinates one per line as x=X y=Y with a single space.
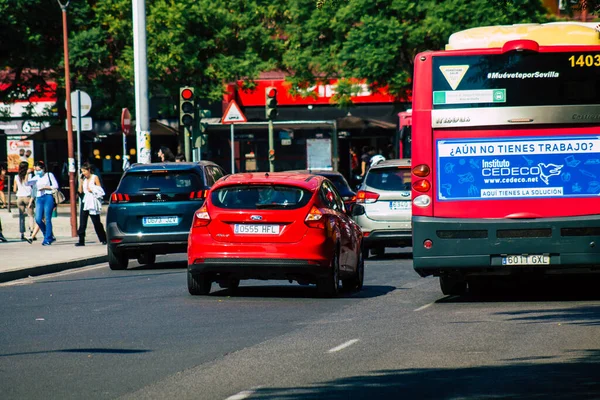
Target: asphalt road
x=137 y=334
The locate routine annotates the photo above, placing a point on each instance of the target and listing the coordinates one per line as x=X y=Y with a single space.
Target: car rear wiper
x=150 y=190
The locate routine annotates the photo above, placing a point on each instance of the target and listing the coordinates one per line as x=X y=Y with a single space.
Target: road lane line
x=424 y=307
x=244 y=394
x=343 y=346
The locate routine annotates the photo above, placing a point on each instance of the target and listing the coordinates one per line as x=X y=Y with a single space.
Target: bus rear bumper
x=480 y=246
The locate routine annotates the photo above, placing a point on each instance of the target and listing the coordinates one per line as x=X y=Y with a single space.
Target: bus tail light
x=201 y=218
x=427 y=243
x=366 y=197
x=422 y=185
x=422 y=201
x=421 y=170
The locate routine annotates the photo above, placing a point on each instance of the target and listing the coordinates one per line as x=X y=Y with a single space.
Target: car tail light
x=201 y=218
x=422 y=185
x=421 y=170
x=364 y=196
x=199 y=195
x=119 y=198
x=314 y=219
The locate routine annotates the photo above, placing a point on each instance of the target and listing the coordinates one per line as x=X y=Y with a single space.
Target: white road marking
x=424 y=307
x=31 y=279
x=244 y=394
x=343 y=346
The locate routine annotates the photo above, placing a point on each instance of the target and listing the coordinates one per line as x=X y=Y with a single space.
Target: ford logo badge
x=255 y=217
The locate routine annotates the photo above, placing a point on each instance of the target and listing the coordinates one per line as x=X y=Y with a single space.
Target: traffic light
x=186 y=106
x=270 y=103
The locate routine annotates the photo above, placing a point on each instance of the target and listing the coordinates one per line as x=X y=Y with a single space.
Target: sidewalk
x=20 y=259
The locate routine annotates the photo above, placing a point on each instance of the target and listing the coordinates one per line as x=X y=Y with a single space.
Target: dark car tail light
x=201 y=218
x=365 y=197
x=314 y=218
x=119 y=198
x=199 y=195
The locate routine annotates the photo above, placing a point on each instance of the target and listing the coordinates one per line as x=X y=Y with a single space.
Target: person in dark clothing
x=166 y=155
x=91 y=204
x=368 y=152
x=180 y=158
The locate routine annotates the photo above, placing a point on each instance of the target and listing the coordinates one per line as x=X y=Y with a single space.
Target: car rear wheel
x=453 y=285
x=198 y=284
x=116 y=260
x=356 y=282
x=329 y=286
x=146 y=258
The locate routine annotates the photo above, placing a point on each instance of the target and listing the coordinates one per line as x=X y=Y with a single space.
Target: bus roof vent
x=520 y=45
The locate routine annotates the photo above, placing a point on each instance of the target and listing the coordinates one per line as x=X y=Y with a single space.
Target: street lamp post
x=63 y=7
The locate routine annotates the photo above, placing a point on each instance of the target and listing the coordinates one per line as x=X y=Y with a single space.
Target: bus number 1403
x=585 y=61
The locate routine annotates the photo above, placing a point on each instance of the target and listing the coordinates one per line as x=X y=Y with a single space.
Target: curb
x=51 y=268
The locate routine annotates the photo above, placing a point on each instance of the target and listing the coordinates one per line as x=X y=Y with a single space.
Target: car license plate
x=255 y=229
x=526 y=260
x=160 y=221
x=400 y=205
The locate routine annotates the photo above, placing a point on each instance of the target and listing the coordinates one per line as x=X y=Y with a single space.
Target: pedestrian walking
x=166 y=155
x=2 y=178
x=23 y=193
x=365 y=160
x=45 y=183
x=180 y=158
x=92 y=191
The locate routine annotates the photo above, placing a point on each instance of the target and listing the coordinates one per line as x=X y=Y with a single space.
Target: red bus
x=506 y=154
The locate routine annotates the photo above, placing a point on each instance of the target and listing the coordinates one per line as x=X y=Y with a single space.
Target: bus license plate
x=526 y=260
x=255 y=229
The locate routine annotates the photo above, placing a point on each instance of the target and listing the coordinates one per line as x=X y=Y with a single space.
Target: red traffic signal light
x=270 y=103
x=187 y=94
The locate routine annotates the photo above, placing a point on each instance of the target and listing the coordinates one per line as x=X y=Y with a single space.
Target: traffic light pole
x=271 y=147
x=187 y=137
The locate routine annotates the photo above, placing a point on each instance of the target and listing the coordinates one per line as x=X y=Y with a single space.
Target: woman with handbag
x=46 y=184
x=92 y=192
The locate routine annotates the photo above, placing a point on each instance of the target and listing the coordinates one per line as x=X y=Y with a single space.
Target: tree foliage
x=207 y=43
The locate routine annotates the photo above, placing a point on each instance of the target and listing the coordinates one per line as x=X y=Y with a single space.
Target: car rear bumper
x=387 y=238
x=157 y=243
x=476 y=246
x=260 y=268
x=308 y=258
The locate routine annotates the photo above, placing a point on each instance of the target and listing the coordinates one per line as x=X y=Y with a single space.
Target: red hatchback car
x=277 y=225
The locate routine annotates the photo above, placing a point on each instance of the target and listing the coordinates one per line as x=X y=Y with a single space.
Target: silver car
x=383 y=206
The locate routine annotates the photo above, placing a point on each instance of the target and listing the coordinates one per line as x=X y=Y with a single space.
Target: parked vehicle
x=383 y=206
x=152 y=209
x=280 y=225
x=340 y=183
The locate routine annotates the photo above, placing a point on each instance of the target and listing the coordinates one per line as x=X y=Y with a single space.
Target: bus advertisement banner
x=518 y=167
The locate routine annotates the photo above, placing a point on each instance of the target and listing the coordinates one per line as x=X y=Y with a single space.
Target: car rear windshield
x=254 y=197
x=161 y=181
x=339 y=182
x=394 y=178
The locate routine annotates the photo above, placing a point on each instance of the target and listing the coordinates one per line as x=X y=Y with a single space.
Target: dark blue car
x=152 y=209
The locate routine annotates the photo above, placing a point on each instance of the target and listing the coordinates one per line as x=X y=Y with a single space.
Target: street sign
x=125 y=121
x=233 y=114
x=86 y=124
x=86 y=103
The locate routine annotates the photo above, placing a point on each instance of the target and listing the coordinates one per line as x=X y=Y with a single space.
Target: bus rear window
x=516 y=79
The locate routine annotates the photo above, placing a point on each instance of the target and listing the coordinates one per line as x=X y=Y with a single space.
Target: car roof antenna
x=266 y=174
